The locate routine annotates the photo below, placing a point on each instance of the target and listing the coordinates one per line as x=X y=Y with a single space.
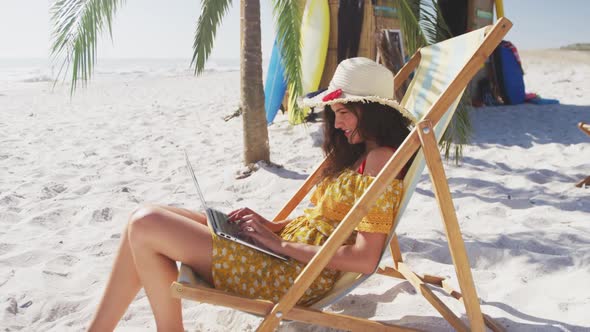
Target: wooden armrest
x=584 y=127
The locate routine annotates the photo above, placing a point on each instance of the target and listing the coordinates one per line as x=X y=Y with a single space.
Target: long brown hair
x=381 y=123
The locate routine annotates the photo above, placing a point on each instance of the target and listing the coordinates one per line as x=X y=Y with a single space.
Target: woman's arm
x=246 y=214
x=362 y=257
x=277 y=226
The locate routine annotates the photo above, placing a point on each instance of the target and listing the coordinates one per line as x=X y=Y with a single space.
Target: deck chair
x=441 y=74
x=585 y=128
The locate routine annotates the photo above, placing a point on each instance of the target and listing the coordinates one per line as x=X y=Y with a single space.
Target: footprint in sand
x=82 y=190
x=6 y=247
x=61 y=261
x=51 y=190
x=121 y=147
x=10 y=200
x=87 y=178
x=5 y=277
x=59 y=267
x=24 y=259
x=102 y=215
x=11 y=306
x=61 y=308
x=89 y=154
x=49 y=219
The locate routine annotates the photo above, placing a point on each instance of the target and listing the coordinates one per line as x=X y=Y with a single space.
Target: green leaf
x=409 y=14
x=212 y=12
x=288 y=15
x=77 y=25
x=422 y=24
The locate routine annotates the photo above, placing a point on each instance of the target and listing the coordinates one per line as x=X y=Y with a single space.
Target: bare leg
x=121 y=289
x=124 y=281
x=196 y=216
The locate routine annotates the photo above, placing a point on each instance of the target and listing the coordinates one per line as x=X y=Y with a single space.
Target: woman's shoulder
x=377 y=158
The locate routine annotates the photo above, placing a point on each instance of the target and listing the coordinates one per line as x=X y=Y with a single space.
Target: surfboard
x=275 y=85
x=315 y=34
x=499 y=9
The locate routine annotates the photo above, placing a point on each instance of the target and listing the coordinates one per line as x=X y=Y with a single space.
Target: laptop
x=221 y=226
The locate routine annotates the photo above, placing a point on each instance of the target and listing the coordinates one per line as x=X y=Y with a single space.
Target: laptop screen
x=190 y=169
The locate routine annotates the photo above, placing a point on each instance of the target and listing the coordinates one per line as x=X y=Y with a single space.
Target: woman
x=363 y=127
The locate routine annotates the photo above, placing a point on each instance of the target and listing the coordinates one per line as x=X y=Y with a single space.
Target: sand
x=73 y=169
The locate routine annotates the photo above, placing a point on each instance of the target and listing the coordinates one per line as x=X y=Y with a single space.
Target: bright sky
x=165 y=29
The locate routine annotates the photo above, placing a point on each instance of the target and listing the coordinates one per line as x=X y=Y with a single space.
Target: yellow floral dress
x=248 y=272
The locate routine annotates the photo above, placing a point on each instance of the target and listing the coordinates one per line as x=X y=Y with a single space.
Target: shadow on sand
x=365 y=306
x=527 y=124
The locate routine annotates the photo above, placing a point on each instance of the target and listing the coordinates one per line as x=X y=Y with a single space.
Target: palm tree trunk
x=256 y=147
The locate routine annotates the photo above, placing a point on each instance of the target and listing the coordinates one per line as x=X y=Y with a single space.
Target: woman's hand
x=261 y=235
x=246 y=214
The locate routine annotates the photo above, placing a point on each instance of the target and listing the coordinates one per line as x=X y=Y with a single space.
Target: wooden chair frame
x=422 y=136
x=585 y=128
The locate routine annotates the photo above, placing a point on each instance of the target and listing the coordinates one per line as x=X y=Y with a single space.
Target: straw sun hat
x=358 y=80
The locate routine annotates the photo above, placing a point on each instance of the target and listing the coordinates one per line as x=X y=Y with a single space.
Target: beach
x=74 y=167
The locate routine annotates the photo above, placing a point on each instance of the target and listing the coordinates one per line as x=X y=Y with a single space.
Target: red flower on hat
x=332 y=95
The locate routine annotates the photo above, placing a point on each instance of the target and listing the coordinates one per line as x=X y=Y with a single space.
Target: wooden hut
x=462 y=16
x=372 y=24
x=466 y=14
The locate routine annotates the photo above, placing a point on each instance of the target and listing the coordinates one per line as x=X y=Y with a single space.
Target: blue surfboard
x=275 y=85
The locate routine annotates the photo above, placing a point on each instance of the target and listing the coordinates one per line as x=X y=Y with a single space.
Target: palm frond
x=212 y=11
x=77 y=26
x=458 y=132
x=288 y=15
x=432 y=22
x=410 y=24
x=423 y=24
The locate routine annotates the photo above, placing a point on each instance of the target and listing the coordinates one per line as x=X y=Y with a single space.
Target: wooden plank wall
x=332 y=56
x=373 y=24
x=367 y=46
x=475 y=21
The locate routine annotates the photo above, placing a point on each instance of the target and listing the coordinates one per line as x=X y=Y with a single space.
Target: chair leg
x=421 y=288
x=396 y=253
x=584 y=182
x=261 y=307
x=584 y=127
x=443 y=284
x=449 y=216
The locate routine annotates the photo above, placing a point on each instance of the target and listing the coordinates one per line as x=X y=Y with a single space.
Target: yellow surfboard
x=315 y=34
x=499 y=9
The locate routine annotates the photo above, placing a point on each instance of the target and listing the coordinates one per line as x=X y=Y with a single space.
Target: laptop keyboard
x=227 y=227
x=233 y=229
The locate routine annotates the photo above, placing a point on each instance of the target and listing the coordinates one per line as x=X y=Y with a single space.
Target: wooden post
x=371 y=25
x=406 y=70
x=396 y=253
x=453 y=232
x=585 y=128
